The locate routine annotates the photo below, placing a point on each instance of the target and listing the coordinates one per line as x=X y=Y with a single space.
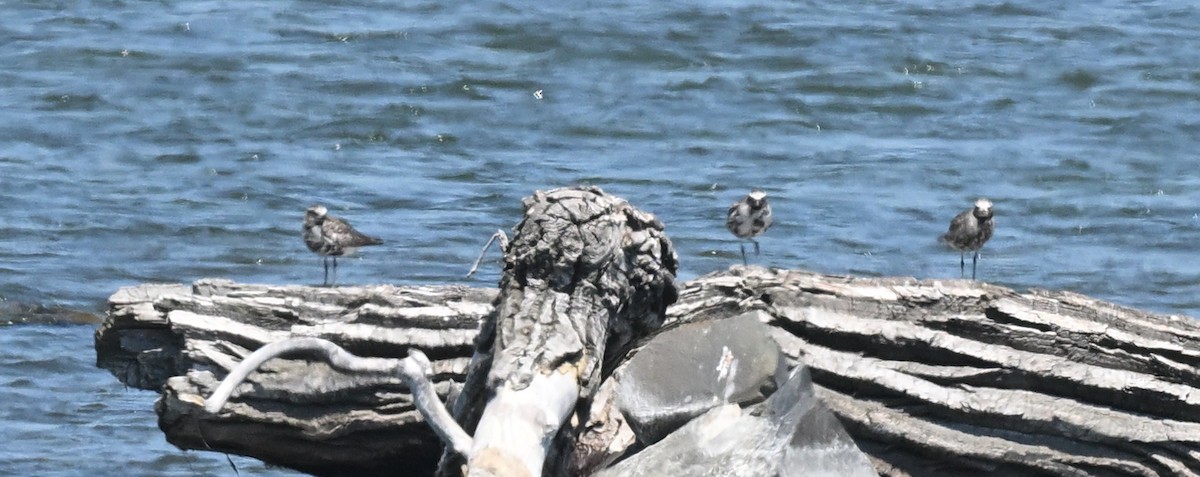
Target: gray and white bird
x=969 y=231
x=749 y=218
x=330 y=236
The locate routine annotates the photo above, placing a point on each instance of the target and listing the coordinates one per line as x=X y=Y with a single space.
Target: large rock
x=791 y=434
x=818 y=446
x=685 y=371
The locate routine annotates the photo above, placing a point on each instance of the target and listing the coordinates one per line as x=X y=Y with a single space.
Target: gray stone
x=792 y=434
x=685 y=371
x=817 y=443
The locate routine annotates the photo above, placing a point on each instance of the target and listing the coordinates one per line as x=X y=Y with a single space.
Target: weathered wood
x=298 y=412
x=950 y=377
x=930 y=377
x=585 y=275
x=414 y=371
x=590 y=274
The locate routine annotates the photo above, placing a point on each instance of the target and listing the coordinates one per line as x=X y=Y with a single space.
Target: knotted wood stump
x=584 y=276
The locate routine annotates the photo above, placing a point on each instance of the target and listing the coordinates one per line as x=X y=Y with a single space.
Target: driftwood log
x=955 y=377
x=180 y=340
x=929 y=377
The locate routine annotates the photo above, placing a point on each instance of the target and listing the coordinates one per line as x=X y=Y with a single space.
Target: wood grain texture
x=930 y=377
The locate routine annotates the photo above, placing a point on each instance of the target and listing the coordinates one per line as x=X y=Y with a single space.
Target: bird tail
x=361 y=240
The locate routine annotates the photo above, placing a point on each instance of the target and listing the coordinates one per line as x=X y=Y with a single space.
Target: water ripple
x=172 y=141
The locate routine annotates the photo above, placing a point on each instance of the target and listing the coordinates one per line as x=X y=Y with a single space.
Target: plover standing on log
x=330 y=236
x=749 y=218
x=969 y=231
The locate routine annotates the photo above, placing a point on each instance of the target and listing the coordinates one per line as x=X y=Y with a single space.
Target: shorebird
x=968 y=232
x=749 y=218
x=330 y=236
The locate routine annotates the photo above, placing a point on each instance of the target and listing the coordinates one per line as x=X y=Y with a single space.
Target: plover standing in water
x=969 y=231
x=749 y=218
x=329 y=236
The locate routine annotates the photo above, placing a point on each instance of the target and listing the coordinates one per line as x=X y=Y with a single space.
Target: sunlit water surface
x=169 y=141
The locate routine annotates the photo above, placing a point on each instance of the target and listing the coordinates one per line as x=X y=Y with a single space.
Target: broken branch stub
x=585 y=275
x=499 y=235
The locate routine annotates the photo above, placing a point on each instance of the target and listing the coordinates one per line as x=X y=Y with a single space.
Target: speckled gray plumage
x=330 y=236
x=749 y=218
x=968 y=232
x=327 y=235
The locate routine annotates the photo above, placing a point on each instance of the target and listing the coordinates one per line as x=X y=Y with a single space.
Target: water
x=63 y=418
x=169 y=141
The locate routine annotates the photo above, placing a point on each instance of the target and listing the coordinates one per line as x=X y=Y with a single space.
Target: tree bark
x=585 y=275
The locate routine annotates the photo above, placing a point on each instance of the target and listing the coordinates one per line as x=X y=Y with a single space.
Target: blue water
x=62 y=417
x=169 y=141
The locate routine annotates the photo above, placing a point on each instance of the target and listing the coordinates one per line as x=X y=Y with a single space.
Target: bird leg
x=325 y=261
x=962 y=264
x=755 y=246
x=743 y=245
x=974 y=262
x=334 y=282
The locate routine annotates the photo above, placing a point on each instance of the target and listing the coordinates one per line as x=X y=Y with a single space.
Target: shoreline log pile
x=929 y=377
